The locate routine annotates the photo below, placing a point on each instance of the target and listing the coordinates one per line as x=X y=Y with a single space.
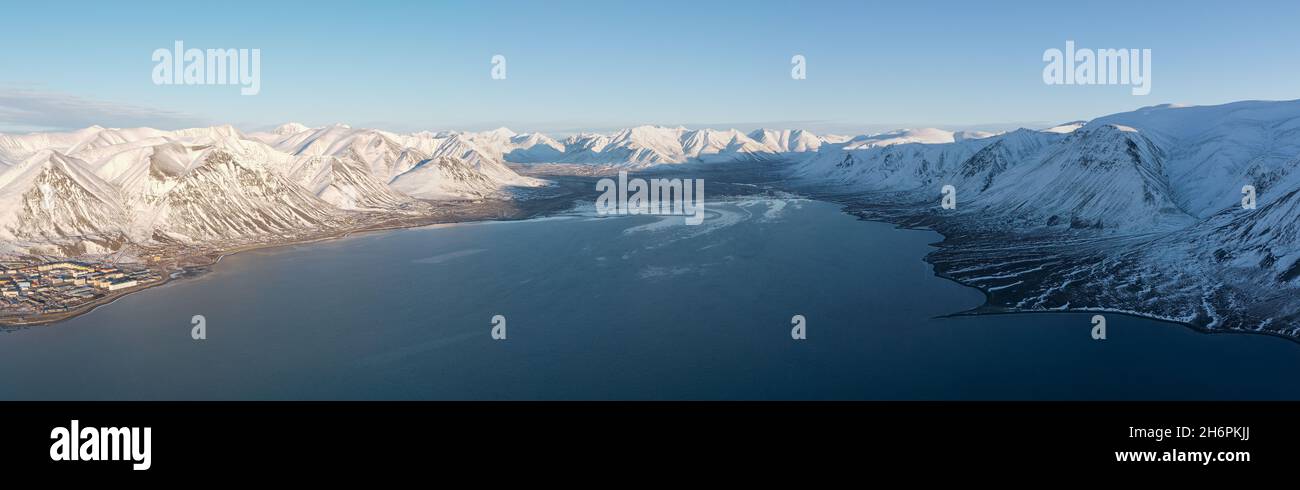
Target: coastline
x=199 y=264
x=901 y=215
x=990 y=309
x=573 y=187
x=51 y=318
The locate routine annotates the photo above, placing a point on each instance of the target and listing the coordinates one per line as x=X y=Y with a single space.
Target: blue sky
x=594 y=65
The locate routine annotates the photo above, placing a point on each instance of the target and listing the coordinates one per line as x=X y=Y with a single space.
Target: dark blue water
x=618 y=308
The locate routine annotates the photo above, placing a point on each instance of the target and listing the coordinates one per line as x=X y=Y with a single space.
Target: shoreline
x=844 y=197
x=52 y=318
x=523 y=210
x=547 y=206
x=988 y=309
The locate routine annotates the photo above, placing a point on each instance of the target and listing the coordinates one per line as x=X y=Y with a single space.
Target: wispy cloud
x=26 y=110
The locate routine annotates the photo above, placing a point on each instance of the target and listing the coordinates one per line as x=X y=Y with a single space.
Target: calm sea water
x=618 y=308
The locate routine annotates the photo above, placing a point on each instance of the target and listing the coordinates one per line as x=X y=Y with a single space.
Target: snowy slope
x=390 y=157
x=1066 y=128
x=343 y=182
x=896 y=167
x=1003 y=152
x=638 y=146
x=1102 y=176
x=787 y=141
x=444 y=177
x=119 y=186
x=27 y=144
x=903 y=136
x=1212 y=151
x=710 y=143
x=1266 y=239
x=1154 y=169
x=1136 y=212
x=50 y=196
x=532 y=148
x=224 y=198
x=643 y=146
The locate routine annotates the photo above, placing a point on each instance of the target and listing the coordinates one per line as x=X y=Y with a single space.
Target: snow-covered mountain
x=787 y=141
x=1212 y=151
x=638 y=146
x=1138 y=212
x=635 y=147
x=1002 y=153
x=904 y=136
x=1105 y=177
x=892 y=167
x=644 y=146
x=49 y=195
x=389 y=158
x=221 y=196
x=100 y=188
x=532 y=148
x=1154 y=169
x=111 y=186
x=1066 y=128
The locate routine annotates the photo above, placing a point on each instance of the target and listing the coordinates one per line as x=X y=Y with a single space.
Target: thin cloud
x=24 y=110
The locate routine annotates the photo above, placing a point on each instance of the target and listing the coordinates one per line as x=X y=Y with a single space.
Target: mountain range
x=1138 y=211
x=96 y=189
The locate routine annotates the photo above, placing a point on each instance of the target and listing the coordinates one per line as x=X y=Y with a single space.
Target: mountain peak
x=1065 y=128
x=290 y=128
x=498 y=133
